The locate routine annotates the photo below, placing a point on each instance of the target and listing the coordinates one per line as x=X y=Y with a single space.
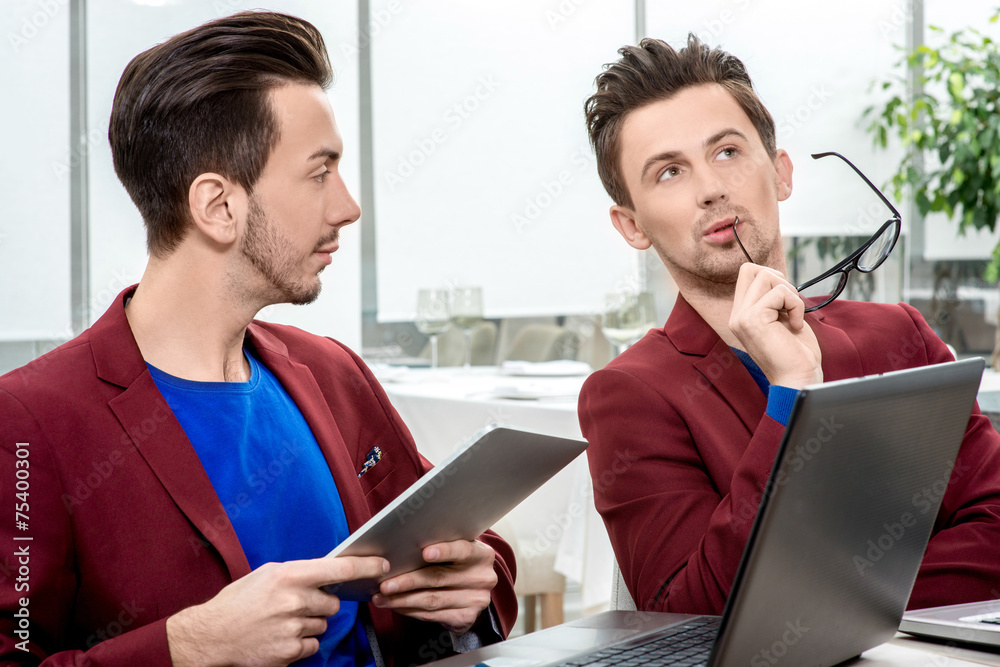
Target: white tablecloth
x=444 y=407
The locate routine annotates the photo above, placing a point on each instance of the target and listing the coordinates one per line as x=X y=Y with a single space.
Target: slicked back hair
x=200 y=102
x=654 y=71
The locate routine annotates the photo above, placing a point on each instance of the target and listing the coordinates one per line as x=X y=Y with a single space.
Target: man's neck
x=715 y=310
x=714 y=302
x=187 y=325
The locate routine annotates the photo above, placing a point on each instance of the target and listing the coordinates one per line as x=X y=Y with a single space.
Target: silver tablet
x=457 y=500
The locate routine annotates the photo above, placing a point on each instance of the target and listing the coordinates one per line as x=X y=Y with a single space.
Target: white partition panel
x=117 y=31
x=812 y=64
x=483 y=172
x=34 y=171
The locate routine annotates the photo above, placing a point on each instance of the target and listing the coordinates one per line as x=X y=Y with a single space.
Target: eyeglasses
x=823 y=289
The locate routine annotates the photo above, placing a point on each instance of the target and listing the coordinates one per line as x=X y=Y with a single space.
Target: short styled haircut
x=200 y=102
x=654 y=71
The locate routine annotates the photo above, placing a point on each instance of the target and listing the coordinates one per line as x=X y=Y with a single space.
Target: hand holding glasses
x=824 y=288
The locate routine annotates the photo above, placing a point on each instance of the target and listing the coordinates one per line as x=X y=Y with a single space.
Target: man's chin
x=307 y=296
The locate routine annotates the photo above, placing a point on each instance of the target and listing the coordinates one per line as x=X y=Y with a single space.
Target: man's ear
x=783 y=167
x=217 y=205
x=623 y=219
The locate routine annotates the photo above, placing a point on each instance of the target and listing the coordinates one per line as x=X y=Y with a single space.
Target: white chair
x=451 y=346
x=543 y=342
x=621 y=599
x=537 y=581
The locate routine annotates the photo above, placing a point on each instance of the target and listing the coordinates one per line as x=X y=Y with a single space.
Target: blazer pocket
x=375 y=475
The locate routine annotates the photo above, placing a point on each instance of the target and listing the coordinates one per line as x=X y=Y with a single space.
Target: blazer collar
x=158 y=436
x=160 y=439
x=692 y=335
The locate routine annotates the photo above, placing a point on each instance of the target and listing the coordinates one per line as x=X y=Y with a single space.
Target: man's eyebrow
x=715 y=138
x=328 y=153
x=670 y=155
x=654 y=159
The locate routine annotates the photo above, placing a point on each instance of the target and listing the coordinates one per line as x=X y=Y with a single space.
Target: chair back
x=621 y=599
x=543 y=342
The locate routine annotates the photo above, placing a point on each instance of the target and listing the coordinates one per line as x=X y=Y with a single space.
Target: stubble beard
x=714 y=271
x=270 y=252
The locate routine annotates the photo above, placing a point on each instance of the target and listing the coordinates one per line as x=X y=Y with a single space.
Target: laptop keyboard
x=685 y=645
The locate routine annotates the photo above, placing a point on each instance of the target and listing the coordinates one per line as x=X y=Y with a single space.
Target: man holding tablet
x=188 y=465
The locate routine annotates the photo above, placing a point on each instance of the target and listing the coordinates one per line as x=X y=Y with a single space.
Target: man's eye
x=320 y=178
x=669 y=173
x=728 y=153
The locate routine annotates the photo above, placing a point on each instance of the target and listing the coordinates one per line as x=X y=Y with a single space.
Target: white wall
x=483 y=172
x=34 y=182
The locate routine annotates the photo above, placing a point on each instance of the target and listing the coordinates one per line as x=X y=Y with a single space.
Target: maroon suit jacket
x=681 y=447
x=125 y=526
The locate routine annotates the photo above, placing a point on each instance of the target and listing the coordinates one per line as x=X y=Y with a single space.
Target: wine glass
x=432 y=317
x=627 y=316
x=466 y=313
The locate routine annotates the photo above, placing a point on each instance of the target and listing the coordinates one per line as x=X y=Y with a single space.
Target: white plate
x=561 y=368
x=536 y=389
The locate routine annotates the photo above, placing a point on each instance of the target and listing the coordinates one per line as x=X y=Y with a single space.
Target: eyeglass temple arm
x=881 y=196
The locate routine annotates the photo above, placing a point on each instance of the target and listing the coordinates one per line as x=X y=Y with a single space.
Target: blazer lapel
x=724 y=371
x=840 y=356
x=718 y=365
x=159 y=437
x=301 y=385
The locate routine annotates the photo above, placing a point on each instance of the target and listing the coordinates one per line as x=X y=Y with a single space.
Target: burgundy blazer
x=681 y=447
x=125 y=527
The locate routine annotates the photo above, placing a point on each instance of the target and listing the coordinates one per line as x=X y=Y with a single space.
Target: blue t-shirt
x=273 y=481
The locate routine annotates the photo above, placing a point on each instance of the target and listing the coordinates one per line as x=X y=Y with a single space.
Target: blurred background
x=465 y=144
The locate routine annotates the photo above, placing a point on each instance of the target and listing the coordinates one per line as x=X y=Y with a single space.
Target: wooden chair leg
x=552 y=609
x=530 y=604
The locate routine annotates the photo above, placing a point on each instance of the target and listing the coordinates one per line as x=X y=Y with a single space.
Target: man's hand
x=768 y=318
x=451 y=590
x=270 y=617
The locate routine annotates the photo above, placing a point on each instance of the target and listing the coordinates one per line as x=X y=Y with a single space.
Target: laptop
x=973 y=622
x=835 y=546
x=458 y=499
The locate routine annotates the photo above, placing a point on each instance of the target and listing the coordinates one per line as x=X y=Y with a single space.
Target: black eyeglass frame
x=852 y=262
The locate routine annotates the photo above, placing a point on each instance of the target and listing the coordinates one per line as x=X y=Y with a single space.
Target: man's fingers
x=459 y=551
x=313 y=626
x=435 y=600
x=322 y=571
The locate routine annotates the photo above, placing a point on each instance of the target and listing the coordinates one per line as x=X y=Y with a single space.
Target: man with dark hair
x=182 y=468
x=687 y=151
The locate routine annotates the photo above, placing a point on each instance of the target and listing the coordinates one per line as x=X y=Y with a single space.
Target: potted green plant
x=949 y=125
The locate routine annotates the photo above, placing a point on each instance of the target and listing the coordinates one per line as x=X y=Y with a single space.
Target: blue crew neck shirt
x=273 y=481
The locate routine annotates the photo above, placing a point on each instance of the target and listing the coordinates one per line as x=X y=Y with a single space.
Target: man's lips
x=721 y=231
x=326 y=251
x=720 y=226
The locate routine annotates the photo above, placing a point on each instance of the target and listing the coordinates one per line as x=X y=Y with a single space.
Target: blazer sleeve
x=960 y=563
x=677 y=538
x=38 y=576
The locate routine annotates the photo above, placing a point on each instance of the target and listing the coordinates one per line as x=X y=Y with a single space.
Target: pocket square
x=373 y=457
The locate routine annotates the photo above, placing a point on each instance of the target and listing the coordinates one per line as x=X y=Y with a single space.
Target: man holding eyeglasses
x=687 y=151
